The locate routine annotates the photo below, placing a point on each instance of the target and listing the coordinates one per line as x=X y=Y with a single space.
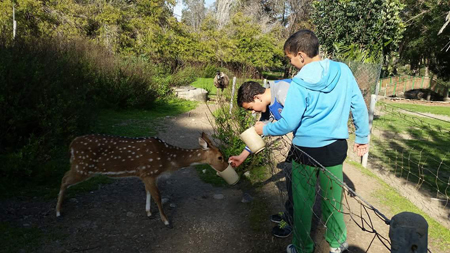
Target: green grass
x=139 y=123
x=399 y=121
x=440 y=110
x=438 y=234
x=413 y=147
x=273 y=75
x=207 y=84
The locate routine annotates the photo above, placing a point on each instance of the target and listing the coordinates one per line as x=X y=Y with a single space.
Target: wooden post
x=14 y=23
x=404 y=85
x=385 y=89
x=232 y=94
x=395 y=87
x=408 y=233
x=379 y=87
x=373 y=101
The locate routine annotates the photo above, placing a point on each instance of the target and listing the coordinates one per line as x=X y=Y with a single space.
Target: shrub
x=228 y=127
x=185 y=76
x=51 y=91
x=209 y=71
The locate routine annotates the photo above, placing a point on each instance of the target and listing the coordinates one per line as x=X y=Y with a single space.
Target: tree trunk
x=223 y=11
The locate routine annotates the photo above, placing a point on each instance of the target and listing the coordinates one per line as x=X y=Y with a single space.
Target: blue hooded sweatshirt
x=318 y=105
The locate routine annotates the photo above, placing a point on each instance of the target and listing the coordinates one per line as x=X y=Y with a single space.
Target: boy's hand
x=259 y=127
x=238 y=160
x=361 y=149
x=235 y=161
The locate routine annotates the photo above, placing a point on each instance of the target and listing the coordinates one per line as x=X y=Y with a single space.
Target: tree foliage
x=372 y=26
x=422 y=44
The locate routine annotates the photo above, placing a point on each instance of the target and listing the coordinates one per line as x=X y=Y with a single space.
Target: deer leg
x=148 y=202
x=150 y=186
x=70 y=178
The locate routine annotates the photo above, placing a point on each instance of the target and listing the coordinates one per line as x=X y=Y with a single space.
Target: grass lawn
x=208 y=84
x=434 y=109
x=413 y=147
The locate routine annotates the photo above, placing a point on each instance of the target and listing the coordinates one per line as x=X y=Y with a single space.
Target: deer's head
x=215 y=158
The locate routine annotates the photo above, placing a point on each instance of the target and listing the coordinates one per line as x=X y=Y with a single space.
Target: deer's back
x=118 y=156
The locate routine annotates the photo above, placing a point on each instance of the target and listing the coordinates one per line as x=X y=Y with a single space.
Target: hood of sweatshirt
x=319 y=76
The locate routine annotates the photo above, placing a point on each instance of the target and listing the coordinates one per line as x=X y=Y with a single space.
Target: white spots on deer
x=118 y=172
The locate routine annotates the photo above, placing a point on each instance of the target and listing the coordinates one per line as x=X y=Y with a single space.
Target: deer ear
x=203 y=143
x=205 y=138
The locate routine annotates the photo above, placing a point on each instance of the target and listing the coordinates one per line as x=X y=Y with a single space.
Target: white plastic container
x=229 y=175
x=253 y=140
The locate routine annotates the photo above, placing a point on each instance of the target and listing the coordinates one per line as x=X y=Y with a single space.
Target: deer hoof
x=149 y=214
x=58 y=214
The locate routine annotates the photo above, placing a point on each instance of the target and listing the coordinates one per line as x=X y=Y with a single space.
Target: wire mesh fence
x=411 y=149
x=321 y=201
x=319 y=205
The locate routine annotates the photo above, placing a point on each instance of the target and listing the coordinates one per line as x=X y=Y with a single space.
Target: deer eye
x=220 y=158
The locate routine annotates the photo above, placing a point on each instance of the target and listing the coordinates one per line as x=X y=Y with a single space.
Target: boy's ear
x=303 y=56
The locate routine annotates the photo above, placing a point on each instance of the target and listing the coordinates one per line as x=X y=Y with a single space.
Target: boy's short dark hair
x=248 y=91
x=303 y=40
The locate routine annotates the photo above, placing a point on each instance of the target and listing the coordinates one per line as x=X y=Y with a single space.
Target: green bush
x=228 y=129
x=51 y=91
x=185 y=76
x=209 y=71
x=46 y=100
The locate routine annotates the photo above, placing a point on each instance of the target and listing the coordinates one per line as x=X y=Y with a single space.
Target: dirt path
x=113 y=218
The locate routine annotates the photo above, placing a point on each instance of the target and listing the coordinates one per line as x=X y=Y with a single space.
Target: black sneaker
x=277 y=218
x=282 y=230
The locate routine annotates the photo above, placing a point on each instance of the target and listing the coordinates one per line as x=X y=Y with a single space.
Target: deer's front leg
x=148 y=202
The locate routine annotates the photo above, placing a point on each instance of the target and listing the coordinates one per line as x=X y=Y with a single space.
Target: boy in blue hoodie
x=316 y=110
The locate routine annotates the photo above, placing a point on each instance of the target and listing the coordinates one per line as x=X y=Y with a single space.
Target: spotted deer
x=146 y=158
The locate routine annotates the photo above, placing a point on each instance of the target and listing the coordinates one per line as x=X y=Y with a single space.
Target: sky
x=179 y=7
